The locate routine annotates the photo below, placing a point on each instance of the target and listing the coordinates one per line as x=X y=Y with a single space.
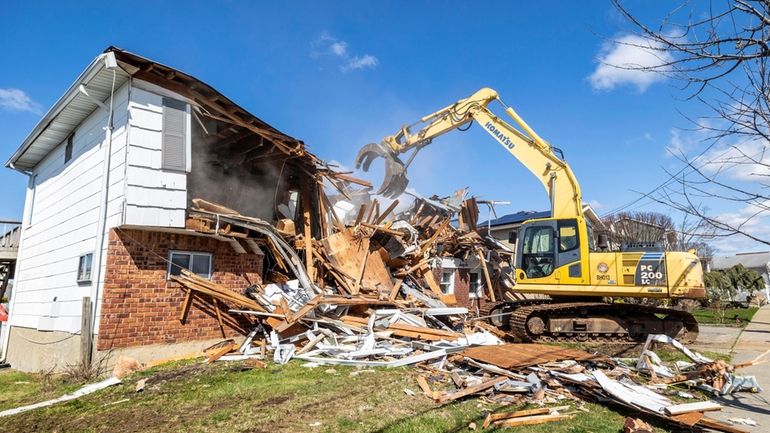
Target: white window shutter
x=174 y=134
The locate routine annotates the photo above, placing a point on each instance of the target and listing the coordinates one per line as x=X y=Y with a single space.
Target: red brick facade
x=462 y=284
x=141 y=307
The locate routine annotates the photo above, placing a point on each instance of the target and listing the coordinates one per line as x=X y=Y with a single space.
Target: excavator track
x=549 y=320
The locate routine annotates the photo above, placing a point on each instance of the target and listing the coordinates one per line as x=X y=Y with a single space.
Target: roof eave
x=93 y=68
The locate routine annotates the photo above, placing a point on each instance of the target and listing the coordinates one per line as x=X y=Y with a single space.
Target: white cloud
x=595 y=204
x=17 y=100
x=747 y=160
x=339 y=49
x=620 y=60
x=330 y=47
x=737 y=157
x=363 y=62
x=750 y=221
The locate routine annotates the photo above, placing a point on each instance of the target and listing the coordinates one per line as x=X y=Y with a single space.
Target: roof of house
x=515 y=218
x=95 y=84
x=521 y=216
x=749 y=260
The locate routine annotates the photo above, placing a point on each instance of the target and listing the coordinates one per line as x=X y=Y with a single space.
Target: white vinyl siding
x=156 y=194
x=63 y=215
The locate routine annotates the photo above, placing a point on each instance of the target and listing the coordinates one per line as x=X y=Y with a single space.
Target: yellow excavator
x=556 y=256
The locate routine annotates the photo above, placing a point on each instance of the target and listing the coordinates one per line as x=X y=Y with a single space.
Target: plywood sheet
x=512 y=356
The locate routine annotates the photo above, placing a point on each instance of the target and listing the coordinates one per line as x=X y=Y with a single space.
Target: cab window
x=568 y=236
x=538 y=251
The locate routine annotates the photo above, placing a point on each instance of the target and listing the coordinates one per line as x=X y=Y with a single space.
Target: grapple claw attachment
x=395 y=181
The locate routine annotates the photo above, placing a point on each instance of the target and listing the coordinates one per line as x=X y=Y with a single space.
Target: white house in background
x=112 y=169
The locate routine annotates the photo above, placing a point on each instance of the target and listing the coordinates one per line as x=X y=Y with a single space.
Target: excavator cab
x=549 y=251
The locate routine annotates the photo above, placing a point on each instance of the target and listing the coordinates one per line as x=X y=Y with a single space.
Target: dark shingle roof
x=516 y=218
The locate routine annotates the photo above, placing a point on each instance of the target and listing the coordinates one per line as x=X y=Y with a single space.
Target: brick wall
x=140 y=306
x=462 y=287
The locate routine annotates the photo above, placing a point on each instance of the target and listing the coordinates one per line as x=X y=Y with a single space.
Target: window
x=174 y=146
x=68 y=149
x=538 y=251
x=474 y=285
x=197 y=263
x=568 y=236
x=538 y=240
x=447 y=282
x=84 y=267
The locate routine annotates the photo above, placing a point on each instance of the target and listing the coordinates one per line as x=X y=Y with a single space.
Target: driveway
x=752 y=342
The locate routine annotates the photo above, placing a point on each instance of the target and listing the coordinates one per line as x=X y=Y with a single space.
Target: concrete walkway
x=752 y=342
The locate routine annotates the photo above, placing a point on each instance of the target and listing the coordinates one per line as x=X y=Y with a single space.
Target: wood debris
x=360 y=288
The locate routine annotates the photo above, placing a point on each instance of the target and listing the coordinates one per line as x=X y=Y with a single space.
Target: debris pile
x=713 y=376
x=363 y=293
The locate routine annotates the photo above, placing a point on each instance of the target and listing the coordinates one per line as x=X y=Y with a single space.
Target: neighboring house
x=502 y=228
x=758 y=262
x=112 y=169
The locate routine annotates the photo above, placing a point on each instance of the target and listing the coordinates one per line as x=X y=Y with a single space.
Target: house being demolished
x=141 y=173
x=163 y=221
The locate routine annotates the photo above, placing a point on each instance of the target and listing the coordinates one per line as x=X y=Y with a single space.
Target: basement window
x=196 y=262
x=84 y=268
x=447 y=282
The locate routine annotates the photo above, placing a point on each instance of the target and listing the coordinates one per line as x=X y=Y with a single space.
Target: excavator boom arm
x=536 y=154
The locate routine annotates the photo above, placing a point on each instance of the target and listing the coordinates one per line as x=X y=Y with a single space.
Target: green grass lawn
x=223 y=398
x=725 y=317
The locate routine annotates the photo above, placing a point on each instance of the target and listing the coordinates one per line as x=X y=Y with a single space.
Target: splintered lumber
x=188 y=299
x=700 y=406
x=483 y=386
x=717 y=425
x=208 y=206
x=396 y=288
x=221 y=352
x=347 y=255
x=425 y=387
x=347 y=178
x=492 y=417
x=531 y=420
x=688 y=419
x=485 y=271
x=307 y=237
x=385 y=213
x=411 y=331
x=517 y=356
x=253 y=362
x=190 y=281
x=636 y=425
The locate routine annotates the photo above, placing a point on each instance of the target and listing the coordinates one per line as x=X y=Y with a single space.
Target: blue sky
x=342 y=74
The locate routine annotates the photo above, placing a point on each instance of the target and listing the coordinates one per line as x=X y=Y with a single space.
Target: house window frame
x=479 y=284
x=450 y=283
x=192 y=255
x=85 y=261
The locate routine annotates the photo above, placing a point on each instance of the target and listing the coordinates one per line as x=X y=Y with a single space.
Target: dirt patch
x=177 y=374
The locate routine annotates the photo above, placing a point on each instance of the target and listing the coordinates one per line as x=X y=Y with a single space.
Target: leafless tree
x=720 y=51
x=634 y=227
